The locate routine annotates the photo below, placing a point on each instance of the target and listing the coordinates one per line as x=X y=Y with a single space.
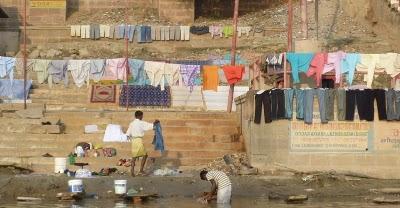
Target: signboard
x=388 y=137
x=335 y=136
x=48 y=4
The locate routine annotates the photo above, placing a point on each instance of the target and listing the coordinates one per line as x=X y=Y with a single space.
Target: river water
x=191 y=203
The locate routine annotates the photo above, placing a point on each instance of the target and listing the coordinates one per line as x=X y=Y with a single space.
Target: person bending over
x=135 y=132
x=220 y=186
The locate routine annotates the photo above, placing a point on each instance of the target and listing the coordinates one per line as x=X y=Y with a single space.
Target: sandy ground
x=189 y=185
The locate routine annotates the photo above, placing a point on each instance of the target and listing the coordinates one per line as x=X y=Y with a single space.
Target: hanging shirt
x=97 y=67
x=233 y=74
x=40 y=66
x=348 y=65
x=172 y=74
x=7 y=65
x=115 y=69
x=80 y=70
x=189 y=75
x=390 y=62
x=138 y=73
x=367 y=64
x=300 y=62
x=334 y=63
x=210 y=78
x=137 y=128
x=155 y=72
x=317 y=66
x=58 y=72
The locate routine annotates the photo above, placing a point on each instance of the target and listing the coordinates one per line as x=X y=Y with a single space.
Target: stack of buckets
x=60 y=164
x=75 y=186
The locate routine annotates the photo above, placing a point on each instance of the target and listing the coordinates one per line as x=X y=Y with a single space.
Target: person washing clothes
x=220 y=186
x=135 y=132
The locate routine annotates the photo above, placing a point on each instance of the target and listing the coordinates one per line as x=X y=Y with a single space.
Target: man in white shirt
x=136 y=132
x=220 y=186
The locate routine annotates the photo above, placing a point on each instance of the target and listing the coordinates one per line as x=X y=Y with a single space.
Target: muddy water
x=190 y=203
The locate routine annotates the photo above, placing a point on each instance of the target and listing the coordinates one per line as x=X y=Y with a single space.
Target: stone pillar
x=47 y=12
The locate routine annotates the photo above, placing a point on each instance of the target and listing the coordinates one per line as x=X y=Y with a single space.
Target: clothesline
x=180 y=73
x=341 y=63
x=146 y=34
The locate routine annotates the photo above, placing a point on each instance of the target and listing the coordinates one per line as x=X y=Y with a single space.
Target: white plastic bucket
x=60 y=164
x=75 y=186
x=120 y=186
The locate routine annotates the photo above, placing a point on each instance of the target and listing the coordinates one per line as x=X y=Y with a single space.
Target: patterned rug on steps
x=103 y=94
x=145 y=96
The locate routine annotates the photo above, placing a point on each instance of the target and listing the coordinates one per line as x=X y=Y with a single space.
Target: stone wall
x=106 y=4
x=179 y=11
x=365 y=147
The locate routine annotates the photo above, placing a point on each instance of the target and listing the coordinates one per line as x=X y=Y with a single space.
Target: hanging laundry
x=189 y=75
x=244 y=31
x=144 y=34
x=162 y=33
x=7 y=66
x=75 y=30
x=153 y=33
x=139 y=76
x=97 y=67
x=193 y=62
x=364 y=100
x=144 y=96
x=112 y=32
x=393 y=105
x=317 y=66
x=80 y=70
x=348 y=66
x=277 y=104
x=289 y=95
x=185 y=32
x=210 y=78
x=172 y=74
x=94 y=31
x=155 y=71
x=227 y=31
x=120 y=31
x=58 y=72
x=216 y=31
x=129 y=32
x=390 y=62
x=172 y=32
x=40 y=66
x=262 y=100
x=367 y=64
x=14 y=90
x=199 y=30
x=114 y=133
x=85 y=31
x=300 y=62
x=104 y=31
x=115 y=69
x=341 y=104
x=167 y=32
x=274 y=63
x=309 y=105
x=158 y=140
x=334 y=63
x=177 y=30
x=233 y=74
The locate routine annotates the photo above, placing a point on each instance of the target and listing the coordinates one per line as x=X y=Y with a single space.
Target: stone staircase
x=192 y=138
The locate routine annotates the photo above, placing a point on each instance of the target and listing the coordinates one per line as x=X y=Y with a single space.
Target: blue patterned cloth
x=158 y=140
x=145 y=96
x=139 y=76
x=14 y=90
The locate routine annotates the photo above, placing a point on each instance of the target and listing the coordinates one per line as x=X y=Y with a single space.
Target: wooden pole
x=24 y=56
x=233 y=52
x=126 y=55
x=290 y=25
x=317 y=16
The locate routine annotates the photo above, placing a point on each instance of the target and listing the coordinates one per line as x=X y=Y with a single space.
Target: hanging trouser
x=393 y=105
x=277 y=104
x=289 y=94
x=263 y=99
x=341 y=104
x=299 y=104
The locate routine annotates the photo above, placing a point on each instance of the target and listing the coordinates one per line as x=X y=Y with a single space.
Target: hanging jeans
x=289 y=94
x=341 y=104
x=309 y=105
x=365 y=99
x=330 y=104
x=299 y=104
x=393 y=105
x=277 y=104
x=263 y=99
x=350 y=105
